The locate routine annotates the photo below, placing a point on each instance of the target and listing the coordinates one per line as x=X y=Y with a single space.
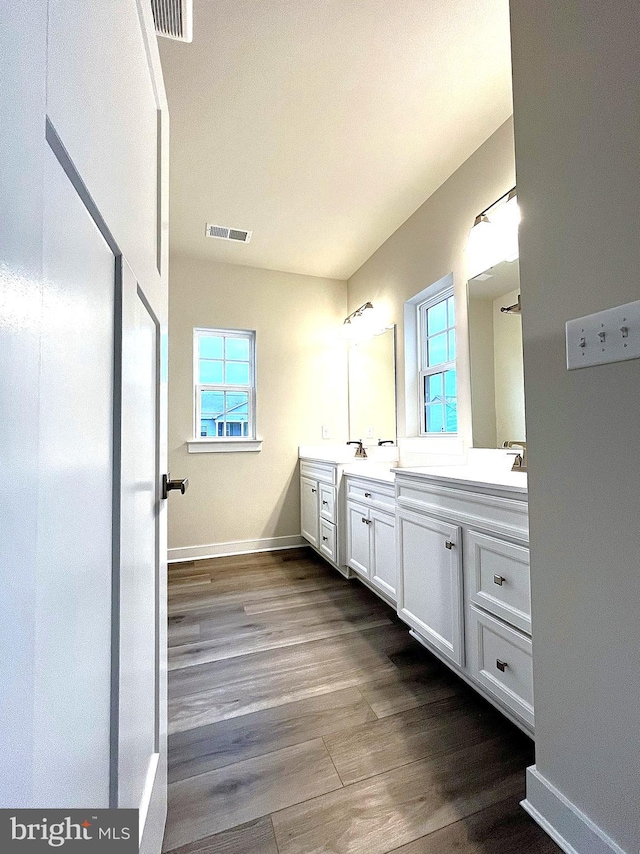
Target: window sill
x=223 y=446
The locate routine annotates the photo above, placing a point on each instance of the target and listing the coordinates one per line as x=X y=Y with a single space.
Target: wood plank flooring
x=305 y=720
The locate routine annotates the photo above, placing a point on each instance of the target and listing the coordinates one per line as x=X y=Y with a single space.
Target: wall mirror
x=495 y=347
x=372 y=388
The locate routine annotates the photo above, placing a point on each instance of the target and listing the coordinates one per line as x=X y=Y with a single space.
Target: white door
x=383 y=552
x=358 y=550
x=141 y=744
x=430 y=581
x=309 y=516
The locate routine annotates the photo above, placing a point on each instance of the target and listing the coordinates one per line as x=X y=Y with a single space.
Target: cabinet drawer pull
x=501 y=665
x=367 y=495
x=324 y=539
x=366 y=521
x=498 y=579
x=313 y=490
x=324 y=502
x=449 y=545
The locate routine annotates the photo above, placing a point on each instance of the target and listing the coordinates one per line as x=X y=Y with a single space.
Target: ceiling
x=502 y=279
x=322 y=125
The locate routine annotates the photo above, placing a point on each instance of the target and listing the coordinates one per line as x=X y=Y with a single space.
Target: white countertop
x=476 y=476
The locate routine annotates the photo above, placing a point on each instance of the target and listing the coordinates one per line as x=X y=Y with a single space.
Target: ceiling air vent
x=224 y=233
x=174 y=19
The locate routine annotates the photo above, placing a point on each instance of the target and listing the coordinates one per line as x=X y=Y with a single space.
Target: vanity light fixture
x=494 y=235
x=362 y=323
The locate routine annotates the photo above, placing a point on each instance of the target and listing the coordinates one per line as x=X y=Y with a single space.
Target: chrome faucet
x=360 y=451
x=520 y=461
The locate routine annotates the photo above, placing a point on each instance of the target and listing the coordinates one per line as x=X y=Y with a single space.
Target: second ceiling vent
x=173 y=19
x=224 y=233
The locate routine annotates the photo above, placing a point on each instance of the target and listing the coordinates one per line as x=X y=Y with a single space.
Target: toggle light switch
x=612 y=335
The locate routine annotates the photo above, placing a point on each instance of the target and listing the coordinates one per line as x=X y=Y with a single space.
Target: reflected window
x=224 y=383
x=437 y=355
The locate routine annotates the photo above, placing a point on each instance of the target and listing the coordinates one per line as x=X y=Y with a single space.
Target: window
x=437 y=356
x=224 y=380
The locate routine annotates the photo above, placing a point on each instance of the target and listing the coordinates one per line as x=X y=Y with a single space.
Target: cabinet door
x=309 y=510
x=430 y=581
x=383 y=552
x=358 y=524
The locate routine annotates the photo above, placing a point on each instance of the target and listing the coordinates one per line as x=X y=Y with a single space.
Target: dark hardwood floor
x=304 y=720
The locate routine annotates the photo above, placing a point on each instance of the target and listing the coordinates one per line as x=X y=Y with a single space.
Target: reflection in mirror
x=495 y=346
x=372 y=388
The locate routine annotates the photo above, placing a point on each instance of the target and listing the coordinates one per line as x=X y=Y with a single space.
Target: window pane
x=207 y=427
x=450 y=388
x=237 y=348
x=451 y=425
x=452 y=345
x=451 y=402
x=435 y=418
x=237 y=373
x=212 y=403
x=437 y=318
x=437 y=350
x=433 y=388
x=451 y=311
x=210 y=347
x=210 y=372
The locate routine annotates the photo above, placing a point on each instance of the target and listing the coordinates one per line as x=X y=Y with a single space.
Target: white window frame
x=204 y=444
x=424 y=370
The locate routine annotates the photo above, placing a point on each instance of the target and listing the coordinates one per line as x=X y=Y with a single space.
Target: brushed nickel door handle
x=498 y=579
x=168 y=485
x=449 y=545
x=501 y=665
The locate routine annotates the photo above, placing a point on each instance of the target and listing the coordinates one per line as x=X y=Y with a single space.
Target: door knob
x=168 y=485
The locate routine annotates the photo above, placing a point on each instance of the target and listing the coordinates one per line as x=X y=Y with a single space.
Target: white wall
x=301 y=385
x=508 y=371
x=429 y=246
x=577 y=126
x=483 y=388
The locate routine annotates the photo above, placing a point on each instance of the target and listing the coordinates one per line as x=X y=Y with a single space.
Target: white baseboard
x=569 y=828
x=236 y=547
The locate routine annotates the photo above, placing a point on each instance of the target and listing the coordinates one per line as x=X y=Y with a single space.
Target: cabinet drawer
x=371 y=493
x=327 y=541
x=502 y=663
x=499 y=576
x=328 y=502
x=323 y=472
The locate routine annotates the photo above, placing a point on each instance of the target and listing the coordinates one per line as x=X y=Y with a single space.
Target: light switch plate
x=326 y=432
x=612 y=335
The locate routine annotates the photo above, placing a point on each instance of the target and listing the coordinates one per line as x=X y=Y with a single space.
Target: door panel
x=101 y=100
x=383 y=552
x=358 y=548
x=138 y=682
x=309 y=510
x=430 y=581
x=73 y=601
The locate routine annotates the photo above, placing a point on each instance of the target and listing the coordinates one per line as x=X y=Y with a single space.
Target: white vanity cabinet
x=370 y=534
x=463 y=579
x=319 y=503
